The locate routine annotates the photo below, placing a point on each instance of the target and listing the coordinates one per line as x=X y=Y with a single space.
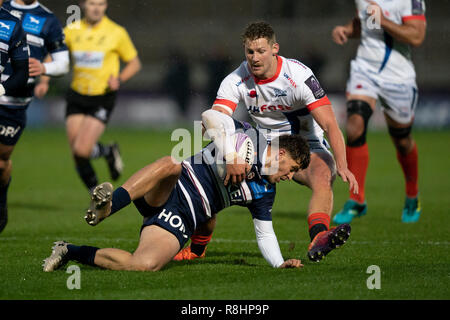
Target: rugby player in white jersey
x=383 y=71
x=283 y=96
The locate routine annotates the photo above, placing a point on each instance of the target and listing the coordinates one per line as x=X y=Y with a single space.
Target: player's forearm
x=219 y=127
x=353 y=28
x=268 y=243
x=58 y=64
x=337 y=144
x=130 y=70
x=409 y=34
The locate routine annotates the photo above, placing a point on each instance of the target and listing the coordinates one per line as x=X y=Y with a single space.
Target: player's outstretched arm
x=325 y=117
x=269 y=247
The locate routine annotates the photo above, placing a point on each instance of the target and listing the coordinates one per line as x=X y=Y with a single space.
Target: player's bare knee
x=4 y=165
x=81 y=151
x=171 y=166
x=144 y=265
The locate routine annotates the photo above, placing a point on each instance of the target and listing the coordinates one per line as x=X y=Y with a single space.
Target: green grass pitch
x=47 y=203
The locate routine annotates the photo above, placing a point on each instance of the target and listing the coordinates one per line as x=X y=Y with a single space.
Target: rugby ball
x=244 y=148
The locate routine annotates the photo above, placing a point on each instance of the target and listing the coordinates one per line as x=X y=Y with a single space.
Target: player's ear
x=275 y=48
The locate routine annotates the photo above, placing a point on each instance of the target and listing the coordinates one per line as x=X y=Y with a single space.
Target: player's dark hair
x=257 y=30
x=297 y=147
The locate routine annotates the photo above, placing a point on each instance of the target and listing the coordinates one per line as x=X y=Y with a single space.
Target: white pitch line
x=224 y=240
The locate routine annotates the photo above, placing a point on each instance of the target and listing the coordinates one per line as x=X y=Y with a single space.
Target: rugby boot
x=351 y=209
x=3 y=217
x=115 y=163
x=187 y=254
x=100 y=206
x=58 y=257
x=412 y=210
x=326 y=241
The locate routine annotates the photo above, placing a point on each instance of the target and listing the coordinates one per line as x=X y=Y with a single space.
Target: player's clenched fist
x=291 y=263
x=340 y=34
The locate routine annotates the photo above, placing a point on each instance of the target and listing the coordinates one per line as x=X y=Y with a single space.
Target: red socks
x=409 y=164
x=318 y=222
x=358 y=162
x=199 y=243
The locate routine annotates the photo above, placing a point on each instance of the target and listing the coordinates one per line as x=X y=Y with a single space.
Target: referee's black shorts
x=99 y=107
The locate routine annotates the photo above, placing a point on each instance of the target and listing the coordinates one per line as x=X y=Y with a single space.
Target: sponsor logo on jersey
x=418 y=7
x=280 y=93
x=6 y=29
x=243 y=80
x=88 y=59
x=16 y=13
x=8 y=131
x=252 y=94
x=268 y=108
x=292 y=82
x=174 y=221
x=33 y=24
x=315 y=87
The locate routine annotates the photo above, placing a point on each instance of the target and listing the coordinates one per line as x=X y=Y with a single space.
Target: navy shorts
x=99 y=107
x=12 y=124
x=174 y=216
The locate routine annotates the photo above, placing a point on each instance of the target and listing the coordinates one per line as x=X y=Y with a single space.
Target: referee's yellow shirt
x=95 y=53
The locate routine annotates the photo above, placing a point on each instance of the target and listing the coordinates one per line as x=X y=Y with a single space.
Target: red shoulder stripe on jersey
x=279 y=64
x=321 y=102
x=227 y=103
x=415 y=17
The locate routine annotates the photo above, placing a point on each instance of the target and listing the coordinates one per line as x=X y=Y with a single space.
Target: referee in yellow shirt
x=96 y=45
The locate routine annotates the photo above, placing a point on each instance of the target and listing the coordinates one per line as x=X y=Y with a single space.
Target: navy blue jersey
x=12 y=40
x=44 y=35
x=206 y=188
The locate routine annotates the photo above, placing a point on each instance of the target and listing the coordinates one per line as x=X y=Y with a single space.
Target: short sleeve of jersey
x=126 y=49
x=261 y=209
x=228 y=95
x=413 y=10
x=54 y=41
x=311 y=93
x=18 y=48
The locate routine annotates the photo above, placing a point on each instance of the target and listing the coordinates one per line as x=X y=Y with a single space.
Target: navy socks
x=120 y=199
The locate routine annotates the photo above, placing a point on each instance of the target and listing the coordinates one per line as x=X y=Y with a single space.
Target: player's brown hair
x=257 y=30
x=297 y=147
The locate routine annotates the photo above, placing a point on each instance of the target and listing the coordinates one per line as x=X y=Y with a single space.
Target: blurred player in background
x=97 y=45
x=284 y=97
x=43 y=36
x=175 y=197
x=383 y=71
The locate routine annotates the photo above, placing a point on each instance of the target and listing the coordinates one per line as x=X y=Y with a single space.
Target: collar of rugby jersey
x=24 y=6
x=273 y=78
x=99 y=25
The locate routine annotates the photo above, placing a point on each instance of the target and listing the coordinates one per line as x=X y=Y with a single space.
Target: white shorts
x=398 y=98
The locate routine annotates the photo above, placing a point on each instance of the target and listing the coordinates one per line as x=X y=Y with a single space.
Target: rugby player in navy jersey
x=14 y=76
x=29 y=32
x=176 y=198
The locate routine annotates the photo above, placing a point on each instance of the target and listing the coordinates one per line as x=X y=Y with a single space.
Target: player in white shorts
x=383 y=71
x=283 y=97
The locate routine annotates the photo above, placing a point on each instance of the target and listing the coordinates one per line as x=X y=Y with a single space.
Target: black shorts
x=99 y=107
x=174 y=216
x=12 y=124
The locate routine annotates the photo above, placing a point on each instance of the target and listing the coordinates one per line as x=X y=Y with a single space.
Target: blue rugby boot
x=351 y=209
x=412 y=210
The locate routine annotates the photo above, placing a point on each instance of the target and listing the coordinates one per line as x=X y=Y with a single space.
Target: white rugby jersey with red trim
x=378 y=52
x=279 y=105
